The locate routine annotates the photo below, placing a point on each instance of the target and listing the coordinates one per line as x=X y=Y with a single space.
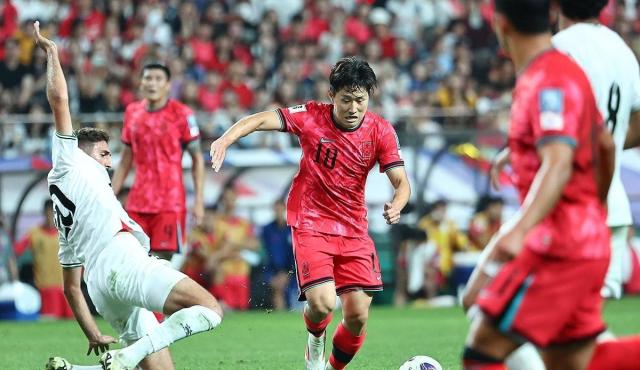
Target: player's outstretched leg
x=350 y=334
x=318 y=312
x=193 y=310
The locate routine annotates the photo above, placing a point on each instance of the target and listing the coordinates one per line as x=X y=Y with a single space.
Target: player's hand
x=391 y=213
x=40 y=40
x=506 y=244
x=198 y=212
x=218 y=152
x=501 y=160
x=100 y=344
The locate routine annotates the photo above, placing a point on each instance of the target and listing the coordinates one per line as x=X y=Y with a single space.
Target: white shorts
x=126 y=284
x=613 y=282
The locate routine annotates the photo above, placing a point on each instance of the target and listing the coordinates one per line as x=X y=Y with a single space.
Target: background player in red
x=557 y=245
x=326 y=208
x=156 y=131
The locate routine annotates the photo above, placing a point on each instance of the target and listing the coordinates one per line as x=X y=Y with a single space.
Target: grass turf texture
x=260 y=340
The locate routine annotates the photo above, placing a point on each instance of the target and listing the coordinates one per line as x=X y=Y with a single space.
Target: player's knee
x=322 y=305
x=356 y=319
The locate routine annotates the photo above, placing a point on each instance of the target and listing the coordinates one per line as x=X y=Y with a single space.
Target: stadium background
x=442 y=82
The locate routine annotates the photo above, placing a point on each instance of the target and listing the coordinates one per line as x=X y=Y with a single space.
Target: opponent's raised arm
x=263 y=121
x=56 y=85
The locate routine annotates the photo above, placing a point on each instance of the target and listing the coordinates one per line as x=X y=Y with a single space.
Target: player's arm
x=124 y=166
x=263 y=121
x=633 y=135
x=56 y=85
x=501 y=160
x=197 y=172
x=555 y=170
x=606 y=163
x=12 y=266
x=72 y=278
x=402 y=191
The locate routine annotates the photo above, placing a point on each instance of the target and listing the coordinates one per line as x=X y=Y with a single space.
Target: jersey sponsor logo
x=193 y=125
x=297 y=109
x=367 y=150
x=551 y=107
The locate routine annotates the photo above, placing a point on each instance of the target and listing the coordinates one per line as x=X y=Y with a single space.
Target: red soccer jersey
x=327 y=194
x=553 y=100
x=157 y=140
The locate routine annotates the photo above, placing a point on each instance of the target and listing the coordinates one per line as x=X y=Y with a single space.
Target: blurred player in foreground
x=326 y=208
x=97 y=234
x=549 y=262
x=596 y=48
x=156 y=131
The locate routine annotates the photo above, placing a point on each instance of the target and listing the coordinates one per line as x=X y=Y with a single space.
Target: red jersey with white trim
x=157 y=140
x=327 y=194
x=553 y=101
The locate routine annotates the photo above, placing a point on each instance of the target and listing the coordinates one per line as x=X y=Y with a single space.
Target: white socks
x=526 y=357
x=181 y=324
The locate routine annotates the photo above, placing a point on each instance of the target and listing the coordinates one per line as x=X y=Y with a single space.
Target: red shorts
x=54 y=303
x=166 y=230
x=547 y=301
x=352 y=263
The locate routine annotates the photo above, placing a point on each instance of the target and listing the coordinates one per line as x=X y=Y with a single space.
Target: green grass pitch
x=261 y=340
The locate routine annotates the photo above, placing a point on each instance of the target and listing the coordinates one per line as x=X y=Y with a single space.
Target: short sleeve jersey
x=157 y=140
x=87 y=212
x=612 y=69
x=327 y=193
x=553 y=101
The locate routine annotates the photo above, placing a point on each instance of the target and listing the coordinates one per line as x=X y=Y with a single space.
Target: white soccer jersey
x=614 y=74
x=87 y=212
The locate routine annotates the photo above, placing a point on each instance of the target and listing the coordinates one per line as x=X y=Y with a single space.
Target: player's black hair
x=90 y=135
x=582 y=9
x=352 y=74
x=47 y=206
x=526 y=16
x=157 y=65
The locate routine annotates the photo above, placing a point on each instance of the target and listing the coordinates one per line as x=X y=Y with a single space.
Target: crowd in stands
x=232 y=57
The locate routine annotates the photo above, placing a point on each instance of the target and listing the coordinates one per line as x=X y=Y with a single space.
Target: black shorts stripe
x=366 y=288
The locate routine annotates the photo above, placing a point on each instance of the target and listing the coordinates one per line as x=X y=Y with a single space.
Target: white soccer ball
x=421 y=363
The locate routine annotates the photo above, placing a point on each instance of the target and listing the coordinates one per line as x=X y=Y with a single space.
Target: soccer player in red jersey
x=156 y=131
x=550 y=260
x=326 y=208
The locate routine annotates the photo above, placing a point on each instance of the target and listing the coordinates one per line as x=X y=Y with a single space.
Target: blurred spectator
x=16 y=79
x=445 y=234
x=279 y=267
x=233 y=253
x=8 y=267
x=437 y=60
x=416 y=265
x=201 y=243
x=43 y=242
x=486 y=221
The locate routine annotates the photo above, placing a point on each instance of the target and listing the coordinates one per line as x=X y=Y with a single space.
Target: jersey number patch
x=63 y=222
x=613 y=106
x=326 y=156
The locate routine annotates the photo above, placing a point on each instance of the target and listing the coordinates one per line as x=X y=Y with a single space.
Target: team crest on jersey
x=551 y=108
x=367 y=150
x=297 y=109
x=193 y=125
